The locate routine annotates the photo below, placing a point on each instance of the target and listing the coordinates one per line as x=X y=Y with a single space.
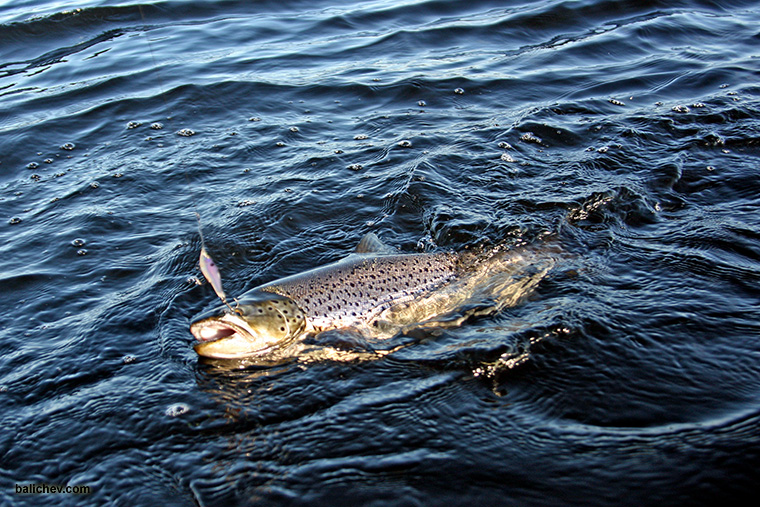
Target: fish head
x=258 y=324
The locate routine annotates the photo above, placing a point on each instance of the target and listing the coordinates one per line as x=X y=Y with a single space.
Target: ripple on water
x=628 y=132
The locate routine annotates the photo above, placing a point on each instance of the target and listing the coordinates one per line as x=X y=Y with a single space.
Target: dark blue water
x=630 y=130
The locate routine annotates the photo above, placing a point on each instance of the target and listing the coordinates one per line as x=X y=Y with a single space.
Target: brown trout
x=375 y=292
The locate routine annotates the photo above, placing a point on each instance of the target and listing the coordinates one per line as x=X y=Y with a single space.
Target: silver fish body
x=375 y=292
x=357 y=290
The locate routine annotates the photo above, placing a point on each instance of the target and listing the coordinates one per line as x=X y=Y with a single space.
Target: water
x=629 y=130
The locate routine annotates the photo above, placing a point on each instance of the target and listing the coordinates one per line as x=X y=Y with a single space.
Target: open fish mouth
x=256 y=326
x=227 y=337
x=213 y=330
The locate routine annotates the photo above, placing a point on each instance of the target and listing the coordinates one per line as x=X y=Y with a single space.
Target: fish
x=375 y=293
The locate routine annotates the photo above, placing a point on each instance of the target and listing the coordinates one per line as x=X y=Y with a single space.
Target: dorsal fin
x=370 y=243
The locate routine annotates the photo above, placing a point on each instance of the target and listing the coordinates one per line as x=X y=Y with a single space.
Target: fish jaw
x=226 y=337
x=258 y=325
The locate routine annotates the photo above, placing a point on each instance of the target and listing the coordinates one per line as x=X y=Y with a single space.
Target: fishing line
x=207 y=265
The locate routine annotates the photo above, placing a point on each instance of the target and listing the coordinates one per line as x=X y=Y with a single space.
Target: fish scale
x=360 y=287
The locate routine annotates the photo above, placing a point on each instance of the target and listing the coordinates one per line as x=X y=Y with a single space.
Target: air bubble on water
x=356 y=167
x=78 y=242
x=133 y=125
x=81 y=252
x=254 y=118
x=404 y=143
x=32 y=165
x=36 y=177
x=338 y=151
x=361 y=137
x=421 y=103
x=128 y=359
x=14 y=220
x=156 y=126
x=68 y=146
x=459 y=91
x=94 y=184
x=528 y=137
x=294 y=129
x=177 y=409
x=680 y=109
x=279 y=144
x=506 y=157
x=505 y=145
x=186 y=132
x=48 y=160
x=616 y=102
x=603 y=149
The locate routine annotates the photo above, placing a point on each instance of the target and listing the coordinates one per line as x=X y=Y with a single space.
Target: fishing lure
x=209 y=269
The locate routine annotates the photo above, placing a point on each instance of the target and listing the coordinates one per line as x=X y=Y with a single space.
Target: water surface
x=631 y=132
